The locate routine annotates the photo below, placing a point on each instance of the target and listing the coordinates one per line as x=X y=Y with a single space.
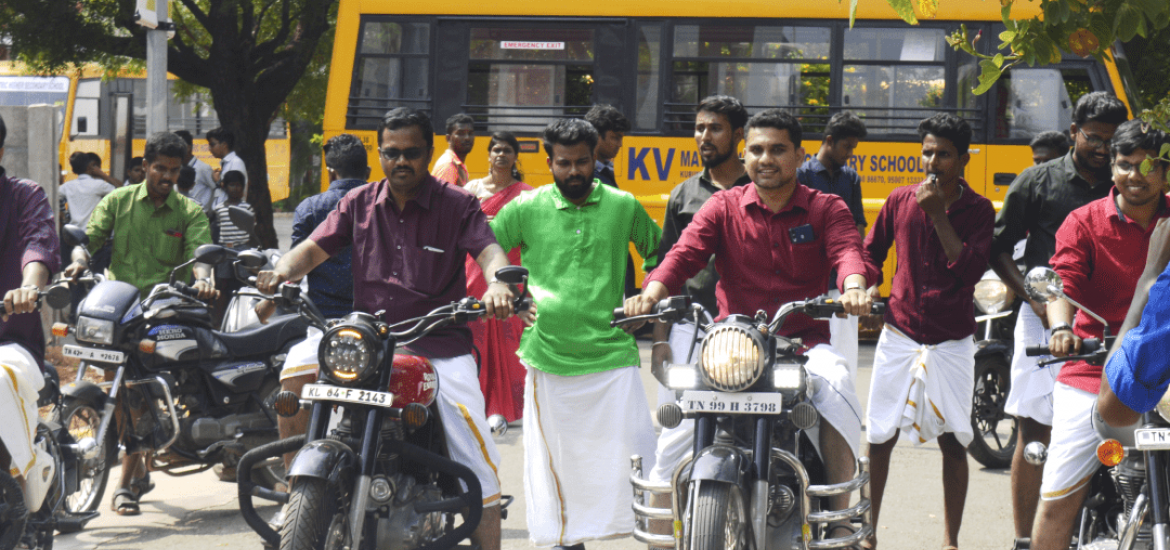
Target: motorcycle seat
x=265 y=339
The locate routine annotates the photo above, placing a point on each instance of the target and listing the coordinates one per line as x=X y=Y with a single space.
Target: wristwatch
x=854 y=286
x=1058 y=328
x=203 y=280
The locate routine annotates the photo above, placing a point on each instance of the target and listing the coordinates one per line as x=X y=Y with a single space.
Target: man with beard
x=1101 y=251
x=409 y=235
x=1036 y=204
x=585 y=408
x=154 y=230
x=460 y=140
x=829 y=172
x=719 y=122
x=776 y=241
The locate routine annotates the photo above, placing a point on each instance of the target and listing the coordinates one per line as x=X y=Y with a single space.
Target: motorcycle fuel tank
x=241 y=376
x=179 y=343
x=414 y=381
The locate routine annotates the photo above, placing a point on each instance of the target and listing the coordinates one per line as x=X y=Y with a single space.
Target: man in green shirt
x=154 y=230
x=585 y=409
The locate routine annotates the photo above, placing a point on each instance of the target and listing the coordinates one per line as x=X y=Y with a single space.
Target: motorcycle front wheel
x=719 y=519
x=83 y=420
x=995 y=430
x=312 y=518
x=13 y=516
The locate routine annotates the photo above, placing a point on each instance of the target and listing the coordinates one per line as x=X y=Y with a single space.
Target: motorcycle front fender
x=720 y=463
x=322 y=459
x=992 y=347
x=87 y=392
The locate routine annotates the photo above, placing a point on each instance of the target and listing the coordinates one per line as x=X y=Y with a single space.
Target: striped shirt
x=229 y=234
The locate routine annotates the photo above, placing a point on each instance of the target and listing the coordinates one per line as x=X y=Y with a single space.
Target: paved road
x=200 y=513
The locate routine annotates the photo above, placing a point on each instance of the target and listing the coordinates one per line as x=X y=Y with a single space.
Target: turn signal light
x=1110 y=452
x=60 y=329
x=287 y=404
x=146 y=346
x=415 y=415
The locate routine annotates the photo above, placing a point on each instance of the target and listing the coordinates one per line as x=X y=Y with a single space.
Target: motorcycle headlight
x=788 y=377
x=992 y=296
x=1164 y=406
x=348 y=354
x=681 y=377
x=732 y=359
x=95 y=331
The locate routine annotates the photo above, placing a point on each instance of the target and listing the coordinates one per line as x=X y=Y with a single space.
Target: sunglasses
x=414 y=153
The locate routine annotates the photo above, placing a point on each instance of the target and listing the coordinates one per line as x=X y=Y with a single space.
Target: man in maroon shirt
x=924 y=365
x=1100 y=253
x=410 y=234
x=776 y=241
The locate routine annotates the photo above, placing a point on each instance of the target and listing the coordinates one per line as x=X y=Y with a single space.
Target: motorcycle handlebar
x=1089 y=346
x=186 y=290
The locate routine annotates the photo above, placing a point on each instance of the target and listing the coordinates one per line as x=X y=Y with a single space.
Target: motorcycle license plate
x=731 y=403
x=323 y=392
x=93 y=354
x=1152 y=439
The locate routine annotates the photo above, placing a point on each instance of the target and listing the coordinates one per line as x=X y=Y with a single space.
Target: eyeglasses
x=1132 y=170
x=1094 y=141
x=414 y=153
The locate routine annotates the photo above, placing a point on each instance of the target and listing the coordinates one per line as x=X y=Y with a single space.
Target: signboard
x=521 y=45
x=51 y=84
x=150 y=12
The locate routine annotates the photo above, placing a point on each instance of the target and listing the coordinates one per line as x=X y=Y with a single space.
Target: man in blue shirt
x=829 y=172
x=1137 y=373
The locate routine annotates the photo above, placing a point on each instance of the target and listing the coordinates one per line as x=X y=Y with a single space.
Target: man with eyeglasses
x=410 y=234
x=1037 y=203
x=1100 y=254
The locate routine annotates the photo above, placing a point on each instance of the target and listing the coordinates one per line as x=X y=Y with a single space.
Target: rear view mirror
x=211 y=254
x=58 y=297
x=74 y=235
x=253 y=259
x=1043 y=284
x=242 y=219
x=512 y=274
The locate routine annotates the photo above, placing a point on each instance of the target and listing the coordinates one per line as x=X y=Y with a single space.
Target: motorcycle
x=995 y=430
x=755 y=480
x=381 y=478
x=1126 y=506
x=31 y=514
x=189 y=396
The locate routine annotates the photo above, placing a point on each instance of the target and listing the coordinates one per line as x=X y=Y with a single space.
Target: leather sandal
x=125 y=503
x=833 y=527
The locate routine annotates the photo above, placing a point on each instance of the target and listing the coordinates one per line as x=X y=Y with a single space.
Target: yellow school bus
x=517 y=65
x=87 y=98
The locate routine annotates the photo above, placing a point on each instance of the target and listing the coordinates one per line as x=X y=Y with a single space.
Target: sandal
x=142 y=485
x=125 y=503
x=833 y=527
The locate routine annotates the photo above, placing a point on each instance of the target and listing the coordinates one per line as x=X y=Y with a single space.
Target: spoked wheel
x=312 y=518
x=995 y=430
x=13 y=514
x=719 y=519
x=82 y=420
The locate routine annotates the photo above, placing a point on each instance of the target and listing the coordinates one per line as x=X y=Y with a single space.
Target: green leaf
x=905 y=10
x=1147 y=166
x=998 y=60
x=1007 y=36
x=988 y=74
x=852 y=13
x=1006 y=14
x=1141 y=30
x=1165 y=152
x=1126 y=22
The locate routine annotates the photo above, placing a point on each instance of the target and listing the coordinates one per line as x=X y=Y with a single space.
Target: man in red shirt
x=776 y=241
x=923 y=372
x=1100 y=253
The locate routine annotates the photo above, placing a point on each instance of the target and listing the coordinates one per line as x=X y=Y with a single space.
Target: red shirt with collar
x=1100 y=254
x=932 y=298
x=759 y=265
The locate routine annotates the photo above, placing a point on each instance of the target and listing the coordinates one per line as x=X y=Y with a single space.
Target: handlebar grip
x=1090 y=345
x=619 y=315
x=878 y=308
x=1036 y=351
x=186 y=290
x=522 y=305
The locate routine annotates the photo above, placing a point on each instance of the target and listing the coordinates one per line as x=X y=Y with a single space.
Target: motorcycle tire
x=719 y=512
x=995 y=430
x=271 y=473
x=312 y=519
x=14 y=516
x=83 y=419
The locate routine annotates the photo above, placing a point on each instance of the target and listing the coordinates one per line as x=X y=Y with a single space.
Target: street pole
x=156 y=71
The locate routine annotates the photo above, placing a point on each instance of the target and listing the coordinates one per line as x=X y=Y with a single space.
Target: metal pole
x=156 y=73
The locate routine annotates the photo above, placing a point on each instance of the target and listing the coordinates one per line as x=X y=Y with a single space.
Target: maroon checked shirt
x=410 y=262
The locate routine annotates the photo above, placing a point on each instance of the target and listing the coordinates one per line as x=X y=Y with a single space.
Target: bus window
x=85 y=108
x=1031 y=101
x=894 y=78
x=649 y=63
x=763 y=66
x=392 y=69
x=520 y=78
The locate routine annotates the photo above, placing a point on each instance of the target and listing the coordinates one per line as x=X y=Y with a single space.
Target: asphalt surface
x=199 y=512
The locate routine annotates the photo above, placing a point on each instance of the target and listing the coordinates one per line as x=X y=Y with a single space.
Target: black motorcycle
x=382 y=478
x=189 y=396
x=31 y=514
x=755 y=480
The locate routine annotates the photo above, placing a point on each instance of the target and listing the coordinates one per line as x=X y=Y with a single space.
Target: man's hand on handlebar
x=268 y=282
x=206 y=288
x=856 y=302
x=74 y=270
x=498 y=300
x=1064 y=343
x=643 y=304
x=20 y=300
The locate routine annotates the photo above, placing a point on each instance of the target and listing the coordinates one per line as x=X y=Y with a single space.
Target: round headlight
x=731 y=359
x=992 y=296
x=348 y=354
x=1164 y=406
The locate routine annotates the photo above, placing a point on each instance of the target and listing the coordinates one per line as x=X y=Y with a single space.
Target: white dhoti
x=20 y=382
x=1072 y=456
x=677 y=443
x=302 y=357
x=922 y=390
x=579 y=434
x=1031 y=393
x=843 y=337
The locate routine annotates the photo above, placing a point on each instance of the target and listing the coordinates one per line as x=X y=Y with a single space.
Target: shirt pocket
x=807 y=259
x=170 y=247
x=428 y=267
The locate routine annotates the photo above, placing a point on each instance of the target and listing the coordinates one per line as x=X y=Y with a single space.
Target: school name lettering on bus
x=642 y=162
x=518 y=45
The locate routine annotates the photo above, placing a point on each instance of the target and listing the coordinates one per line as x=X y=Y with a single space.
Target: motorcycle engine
x=1129 y=477
x=399 y=526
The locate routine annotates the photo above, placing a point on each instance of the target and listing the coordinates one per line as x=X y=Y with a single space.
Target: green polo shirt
x=576 y=259
x=148 y=241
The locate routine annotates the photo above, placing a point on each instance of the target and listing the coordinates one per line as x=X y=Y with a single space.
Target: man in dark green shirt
x=154 y=230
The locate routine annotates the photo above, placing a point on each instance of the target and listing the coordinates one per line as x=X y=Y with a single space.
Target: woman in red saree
x=501 y=376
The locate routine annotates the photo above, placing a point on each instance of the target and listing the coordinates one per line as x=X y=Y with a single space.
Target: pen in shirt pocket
x=433 y=249
x=174 y=233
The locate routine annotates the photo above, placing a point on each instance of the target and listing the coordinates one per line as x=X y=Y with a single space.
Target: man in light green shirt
x=154 y=230
x=585 y=409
